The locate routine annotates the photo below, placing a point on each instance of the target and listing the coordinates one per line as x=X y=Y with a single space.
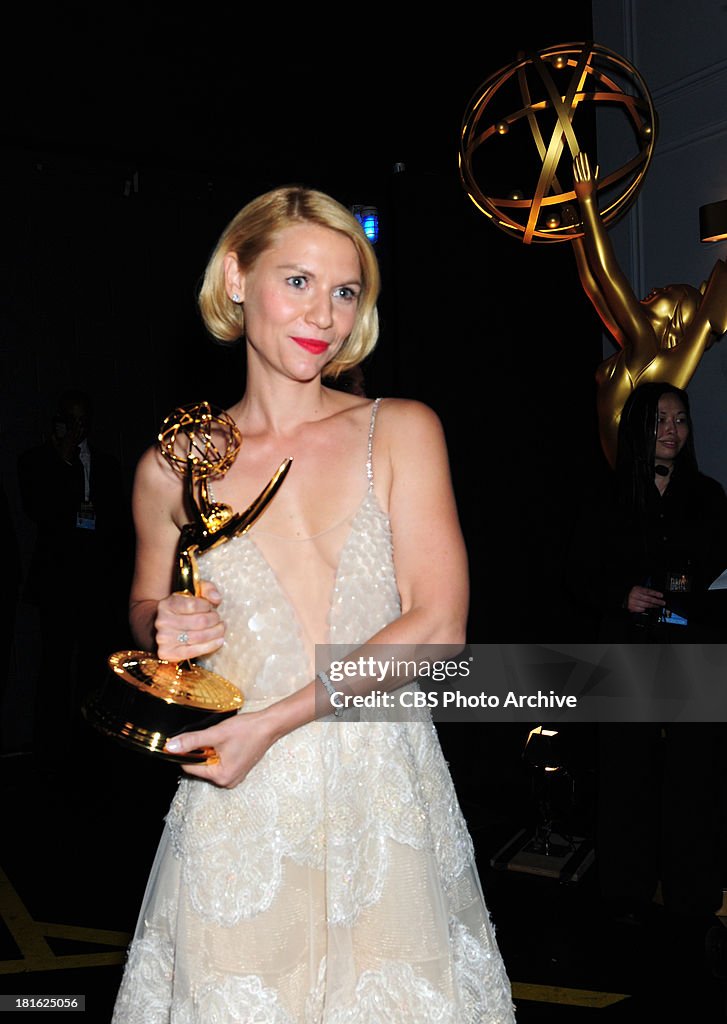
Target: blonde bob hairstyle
x=254 y=230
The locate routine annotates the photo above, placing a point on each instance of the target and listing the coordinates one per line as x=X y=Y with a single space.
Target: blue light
x=371 y=226
x=368 y=218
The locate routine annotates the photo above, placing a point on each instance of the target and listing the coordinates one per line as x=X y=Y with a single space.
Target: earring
x=235 y=297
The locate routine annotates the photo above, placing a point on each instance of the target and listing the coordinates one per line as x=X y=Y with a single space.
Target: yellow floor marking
x=566 y=996
x=101 y=936
x=30 y=937
x=61 y=963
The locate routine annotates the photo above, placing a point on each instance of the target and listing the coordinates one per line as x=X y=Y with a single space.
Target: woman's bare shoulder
x=154 y=472
x=408 y=419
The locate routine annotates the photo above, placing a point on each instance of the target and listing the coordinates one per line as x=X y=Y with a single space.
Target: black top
x=676 y=544
x=65 y=552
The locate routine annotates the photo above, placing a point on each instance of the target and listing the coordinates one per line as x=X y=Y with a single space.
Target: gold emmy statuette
x=145 y=700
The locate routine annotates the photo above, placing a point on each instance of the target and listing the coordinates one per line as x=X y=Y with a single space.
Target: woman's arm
x=412 y=469
x=429 y=550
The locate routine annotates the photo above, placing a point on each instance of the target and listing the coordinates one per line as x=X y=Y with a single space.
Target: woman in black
x=651 y=539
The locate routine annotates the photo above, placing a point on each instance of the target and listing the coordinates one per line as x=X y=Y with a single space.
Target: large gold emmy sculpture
x=145 y=700
x=525 y=124
x=523 y=161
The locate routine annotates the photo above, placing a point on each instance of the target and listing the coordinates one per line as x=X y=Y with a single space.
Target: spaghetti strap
x=370 y=450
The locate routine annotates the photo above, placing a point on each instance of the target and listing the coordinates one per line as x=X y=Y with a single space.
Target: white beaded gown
x=337 y=883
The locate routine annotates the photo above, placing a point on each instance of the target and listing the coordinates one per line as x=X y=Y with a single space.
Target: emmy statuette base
x=144 y=701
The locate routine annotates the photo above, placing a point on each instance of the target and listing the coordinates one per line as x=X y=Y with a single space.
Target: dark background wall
x=680 y=51
x=130 y=143
x=132 y=135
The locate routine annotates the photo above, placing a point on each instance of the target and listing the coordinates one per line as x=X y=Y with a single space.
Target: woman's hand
x=239 y=743
x=643 y=599
x=189 y=627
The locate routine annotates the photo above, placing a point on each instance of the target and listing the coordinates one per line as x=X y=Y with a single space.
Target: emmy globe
x=145 y=700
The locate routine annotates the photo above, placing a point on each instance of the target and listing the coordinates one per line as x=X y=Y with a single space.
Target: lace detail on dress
x=392 y=992
x=321 y=800
x=303 y=787
x=146 y=990
x=263 y=653
x=233 y=1000
x=337 y=883
x=365 y=596
x=232 y=847
x=484 y=990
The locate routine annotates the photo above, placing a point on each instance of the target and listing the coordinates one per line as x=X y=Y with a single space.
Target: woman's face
x=672 y=428
x=300 y=298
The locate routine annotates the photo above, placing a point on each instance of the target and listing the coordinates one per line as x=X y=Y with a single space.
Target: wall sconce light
x=713 y=221
x=368 y=218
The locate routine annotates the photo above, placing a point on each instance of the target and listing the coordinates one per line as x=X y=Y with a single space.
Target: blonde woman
x=319 y=870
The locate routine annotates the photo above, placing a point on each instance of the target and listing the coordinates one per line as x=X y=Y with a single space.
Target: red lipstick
x=311 y=345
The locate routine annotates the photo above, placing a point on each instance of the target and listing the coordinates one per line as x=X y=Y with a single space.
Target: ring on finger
x=183 y=638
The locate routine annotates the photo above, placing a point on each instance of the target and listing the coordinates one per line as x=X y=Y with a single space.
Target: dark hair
x=637 y=442
x=75 y=397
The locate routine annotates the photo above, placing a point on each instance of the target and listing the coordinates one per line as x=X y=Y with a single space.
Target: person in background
x=659 y=338
x=75 y=496
x=648 y=543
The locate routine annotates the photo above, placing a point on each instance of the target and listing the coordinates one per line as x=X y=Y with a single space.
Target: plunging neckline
x=315 y=591
x=275 y=611
x=350 y=516
x=369 y=498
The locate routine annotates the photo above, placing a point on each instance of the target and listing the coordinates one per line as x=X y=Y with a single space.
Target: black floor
x=77 y=845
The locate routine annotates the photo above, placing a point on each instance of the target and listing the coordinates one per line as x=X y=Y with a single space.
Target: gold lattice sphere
x=200 y=438
x=528 y=120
